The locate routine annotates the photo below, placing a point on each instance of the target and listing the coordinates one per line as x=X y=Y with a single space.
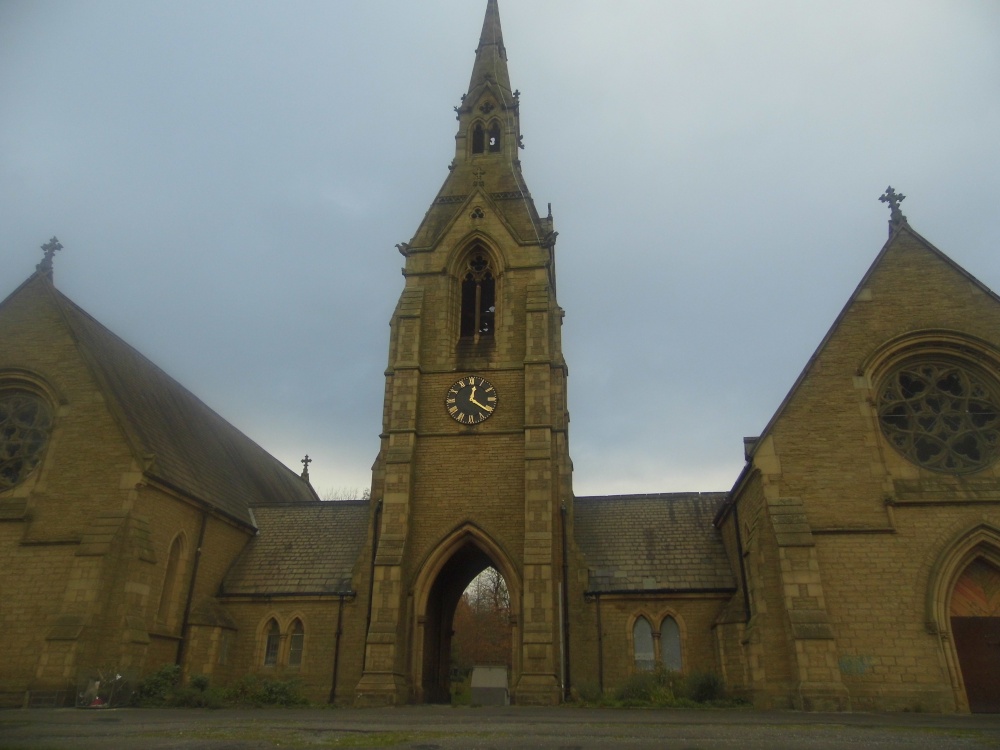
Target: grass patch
x=287 y=737
x=661 y=688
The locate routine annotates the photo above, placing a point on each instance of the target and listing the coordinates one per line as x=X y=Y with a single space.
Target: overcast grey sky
x=229 y=180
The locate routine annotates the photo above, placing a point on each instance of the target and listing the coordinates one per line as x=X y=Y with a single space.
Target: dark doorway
x=975 y=629
x=439 y=619
x=977 y=641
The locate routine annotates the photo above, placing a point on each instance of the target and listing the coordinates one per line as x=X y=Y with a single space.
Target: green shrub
x=589 y=692
x=252 y=690
x=196 y=694
x=638 y=688
x=661 y=688
x=156 y=688
x=703 y=687
x=163 y=688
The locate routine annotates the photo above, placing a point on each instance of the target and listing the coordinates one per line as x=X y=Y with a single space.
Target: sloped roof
x=652 y=542
x=178 y=439
x=301 y=549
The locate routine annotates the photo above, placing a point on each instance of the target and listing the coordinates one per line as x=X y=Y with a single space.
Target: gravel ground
x=445 y=728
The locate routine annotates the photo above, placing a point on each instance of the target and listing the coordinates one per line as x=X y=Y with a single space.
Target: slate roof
x=301 y=549
x=179 y=439
x=652 y=542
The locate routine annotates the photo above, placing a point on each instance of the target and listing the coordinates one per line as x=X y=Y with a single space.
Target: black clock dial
x=471 y=400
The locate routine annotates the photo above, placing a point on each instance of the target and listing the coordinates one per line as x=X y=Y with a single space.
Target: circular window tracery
x=941 y=416
x=25 y=424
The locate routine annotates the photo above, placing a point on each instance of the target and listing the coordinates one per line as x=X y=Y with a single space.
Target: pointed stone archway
x=963 y=606
x=444 y=576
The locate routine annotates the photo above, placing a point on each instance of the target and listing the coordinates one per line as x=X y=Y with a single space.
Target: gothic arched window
x=478 y=296
x=642 y=645
x=670 y=644
x=478 y=139
x=272 y=643
x=171 y=579
x=494 y=136
x=295 y=643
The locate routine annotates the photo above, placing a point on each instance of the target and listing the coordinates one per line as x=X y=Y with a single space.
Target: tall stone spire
x=491 y=56
x=487 y=159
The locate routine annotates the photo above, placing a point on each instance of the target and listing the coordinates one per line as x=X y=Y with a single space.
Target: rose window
x=25 y=423
x=941 y=416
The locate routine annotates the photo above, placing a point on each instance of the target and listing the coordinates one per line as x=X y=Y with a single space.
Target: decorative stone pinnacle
x=305 y=467
x=50 y=248
x=893 y=199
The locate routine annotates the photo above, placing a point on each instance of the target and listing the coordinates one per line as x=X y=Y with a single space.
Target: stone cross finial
x=50 y=249
x=305 y=467
x=893 y=199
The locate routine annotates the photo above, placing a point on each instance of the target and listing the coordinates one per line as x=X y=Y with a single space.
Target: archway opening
x=975 y=628
x=481 y=633
x=466 y=622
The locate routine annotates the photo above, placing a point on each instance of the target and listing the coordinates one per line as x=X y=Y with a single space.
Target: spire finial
x=305 y=467
x=893 y=199
x=491 y=55
x=50 y=248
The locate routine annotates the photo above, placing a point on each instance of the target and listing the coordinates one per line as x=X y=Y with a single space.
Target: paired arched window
x=478 y=315
x=486 y=138
x=665 y=648
x=274 y=654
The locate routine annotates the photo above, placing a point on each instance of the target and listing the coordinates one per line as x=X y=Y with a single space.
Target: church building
x=853 y=565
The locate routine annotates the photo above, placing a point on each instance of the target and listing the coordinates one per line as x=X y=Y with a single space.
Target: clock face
x=471 y=400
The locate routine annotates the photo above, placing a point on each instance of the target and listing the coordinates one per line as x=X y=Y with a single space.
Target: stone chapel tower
x=474 y=468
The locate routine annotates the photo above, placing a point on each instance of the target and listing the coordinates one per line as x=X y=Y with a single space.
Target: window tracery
x=941 y=415
x=25 y=426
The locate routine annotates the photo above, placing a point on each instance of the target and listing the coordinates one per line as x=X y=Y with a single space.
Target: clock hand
x=481 y=406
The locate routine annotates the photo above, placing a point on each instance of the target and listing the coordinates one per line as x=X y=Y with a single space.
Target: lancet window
x=295 y=644
x=272 y=643
x=670 y=644
x=478 y=296
x=478 y=138
x=642 y=645
x=171 y=579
